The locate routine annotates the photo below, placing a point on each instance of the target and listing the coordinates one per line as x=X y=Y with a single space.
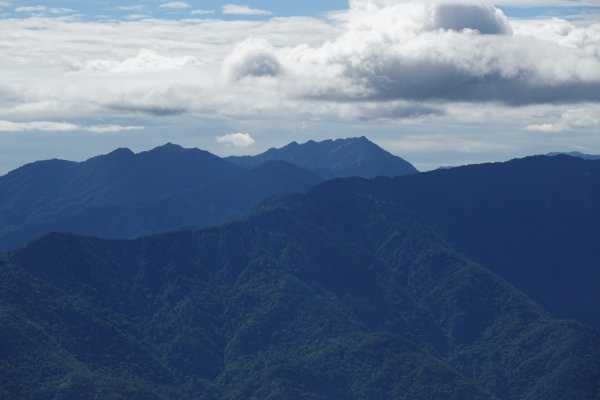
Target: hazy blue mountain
x=337 y=294
x=534 y=221
x=123 y=194
x=576 y=154
x=336 y=158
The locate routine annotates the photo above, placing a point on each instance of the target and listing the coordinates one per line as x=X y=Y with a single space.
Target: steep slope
x=533 y=221
x=339 y=293
x=336 y=158
x=123 y=194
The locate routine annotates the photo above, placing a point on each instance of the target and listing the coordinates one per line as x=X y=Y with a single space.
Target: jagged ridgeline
x=124 y=195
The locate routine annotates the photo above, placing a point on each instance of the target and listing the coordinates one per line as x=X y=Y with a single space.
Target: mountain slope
x=533 y=221
x=576 y=154
x=339 y=293
x=123 y=194
x=336 y=158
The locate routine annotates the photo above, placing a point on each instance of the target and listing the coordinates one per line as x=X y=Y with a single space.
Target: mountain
x=123 y=194
x=336 y=158
x=341 y=293
x=534 y=221
x=576 y=154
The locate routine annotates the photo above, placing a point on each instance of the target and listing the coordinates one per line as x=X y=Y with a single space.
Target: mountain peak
x=121 y=152
x=339 y=158
x=169 y=147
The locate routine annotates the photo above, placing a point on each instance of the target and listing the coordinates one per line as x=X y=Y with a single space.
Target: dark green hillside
x=123 y=194
x=333 y=295
x=533 y=221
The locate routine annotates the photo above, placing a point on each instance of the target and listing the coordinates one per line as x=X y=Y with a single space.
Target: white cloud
x=202 y=12
x=439 y=51
x=575 y=119
x=137 y=17
x=236 y=140
x=60 y=11
x=144 y=61
x=136 y=7
x=47 y=126
x=29 y=9
x=176 y=5
x=237 y=9
x=252 y=58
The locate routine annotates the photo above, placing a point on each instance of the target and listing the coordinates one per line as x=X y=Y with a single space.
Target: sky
x=438 y=83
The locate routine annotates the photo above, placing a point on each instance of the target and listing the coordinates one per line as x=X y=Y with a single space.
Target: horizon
x=435 y=83
x=138 y=151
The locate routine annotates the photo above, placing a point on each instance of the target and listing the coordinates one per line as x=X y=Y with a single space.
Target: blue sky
x=121 y=9
x=436 y=83
x=180 y=9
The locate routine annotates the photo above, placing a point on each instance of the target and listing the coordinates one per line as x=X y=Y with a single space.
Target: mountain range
x=476 y=282
x=123 y=195
x=339 y=293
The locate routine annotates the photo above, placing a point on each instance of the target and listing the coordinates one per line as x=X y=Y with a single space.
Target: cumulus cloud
x=252 y=58
x=237 y=9
x=235 y=140
x=483 y=18
x=443 y=51
x=48 y=126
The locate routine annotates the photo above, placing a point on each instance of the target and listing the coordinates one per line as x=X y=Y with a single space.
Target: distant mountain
x=336 y=158
x=534 y=221
x=341 y=293
x=123 y=194
x=576 y=154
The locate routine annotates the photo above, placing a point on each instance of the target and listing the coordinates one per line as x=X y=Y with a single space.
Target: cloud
x=137 y=17
x=483 y=18
x=47 y=126
x=440 y=51
x=154 y=109
x=145 y=60
x=30 y=9
x=176 y=5
x=236 y=140
x=570 y=120
x=202 y=12
x=252 y=58
x=136 y=7
x=61 y=10
x=236 y=9
x=376 y=61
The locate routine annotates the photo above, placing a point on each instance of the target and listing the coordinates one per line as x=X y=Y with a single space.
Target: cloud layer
x=395 y=65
